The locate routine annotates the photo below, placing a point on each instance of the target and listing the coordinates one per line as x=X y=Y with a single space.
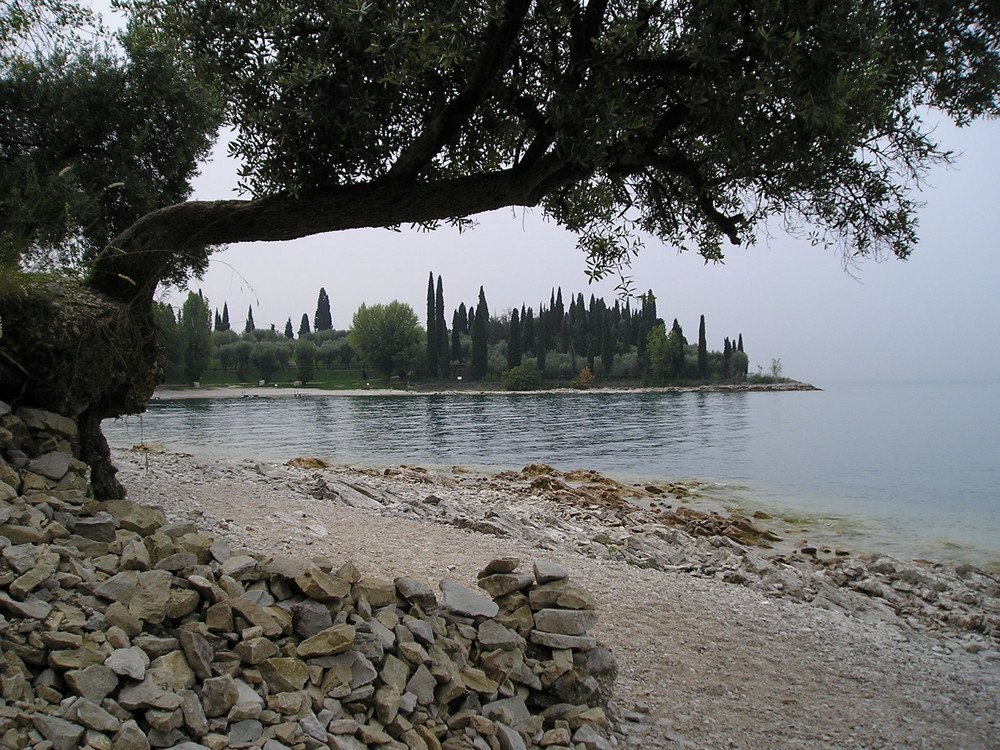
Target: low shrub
x=524 y=377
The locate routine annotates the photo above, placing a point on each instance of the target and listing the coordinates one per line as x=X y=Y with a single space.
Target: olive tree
x=694 y=122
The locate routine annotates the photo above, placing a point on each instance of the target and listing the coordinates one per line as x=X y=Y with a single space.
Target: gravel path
x=703 y=663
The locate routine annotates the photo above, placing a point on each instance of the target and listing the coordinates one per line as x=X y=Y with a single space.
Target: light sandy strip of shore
x=233 y=391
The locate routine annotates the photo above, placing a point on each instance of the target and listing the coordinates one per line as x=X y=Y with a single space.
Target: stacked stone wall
x=121 y=631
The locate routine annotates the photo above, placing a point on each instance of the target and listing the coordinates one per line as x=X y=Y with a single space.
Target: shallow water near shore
x=910 y=469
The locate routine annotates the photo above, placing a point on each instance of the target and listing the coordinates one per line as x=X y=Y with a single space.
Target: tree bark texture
x=132 y=267
x=68 y=350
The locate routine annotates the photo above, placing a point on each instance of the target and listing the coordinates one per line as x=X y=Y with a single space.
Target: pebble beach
x=724 y=638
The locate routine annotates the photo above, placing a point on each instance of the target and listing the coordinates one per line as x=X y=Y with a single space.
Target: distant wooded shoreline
x=170 y=394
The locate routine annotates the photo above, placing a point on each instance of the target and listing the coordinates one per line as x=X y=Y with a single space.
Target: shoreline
x=718 y=644
x=283 y=391
x=799 y=527
x=665 y=526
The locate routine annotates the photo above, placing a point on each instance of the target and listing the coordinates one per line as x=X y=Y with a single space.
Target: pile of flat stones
x=121 y=631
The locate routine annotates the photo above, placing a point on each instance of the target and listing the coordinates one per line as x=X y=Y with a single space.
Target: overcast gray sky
x=931 y=317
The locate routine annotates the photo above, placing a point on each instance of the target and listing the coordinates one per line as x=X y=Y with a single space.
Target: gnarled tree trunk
x=70 y=350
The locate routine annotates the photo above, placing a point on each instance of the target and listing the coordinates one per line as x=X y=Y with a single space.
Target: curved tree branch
x=132 y=266
x=691 y=173
x=443 y=128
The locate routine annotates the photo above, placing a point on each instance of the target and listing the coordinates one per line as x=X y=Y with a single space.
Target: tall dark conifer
x=480 y=332
x=289 y=333
x=542 y=337
x=225 y=317
x=433 y=349
x=458 y=323
x=441 y=332
x=304 y=325
x=607 y=344
x=702 y=350
x=217 y=326
x=250 y=324
x=514 y=340
x=557 y=323
x=646 y=320
x=527 y=331
x=323 y=319
x=630 y=332
x=677 y=346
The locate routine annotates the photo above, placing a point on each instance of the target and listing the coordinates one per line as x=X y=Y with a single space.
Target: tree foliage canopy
x=32 y=27
x=692 y=120
x=387 y=337
x=91 y=139
x=195 y=326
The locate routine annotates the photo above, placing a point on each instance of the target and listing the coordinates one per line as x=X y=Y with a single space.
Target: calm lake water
x=913 y=469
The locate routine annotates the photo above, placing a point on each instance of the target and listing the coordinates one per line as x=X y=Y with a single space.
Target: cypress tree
x=225 y=317
x=322 y=320
x=542 y=338
x=514 y=340
x=458 y=321
x=527 y=331
x=304 y=325
x=727 y=357
x=574 y=326
x=607 y=345
x=678 y=345
x=629 y=326
x=557 y=323
x=250 y=325
x=702 y=349
x=289 y=333
x=218 y=322
x=646 y=320
x=433 y=349
x=739 y=343
x=441 y=332
x=480 y=331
